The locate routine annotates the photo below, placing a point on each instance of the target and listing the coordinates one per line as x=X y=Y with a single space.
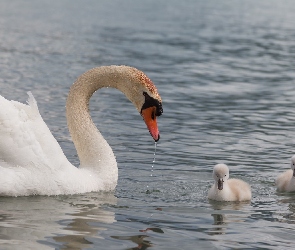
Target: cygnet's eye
x=225 y=175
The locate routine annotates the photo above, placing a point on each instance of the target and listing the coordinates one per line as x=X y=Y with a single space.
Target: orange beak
x=149 y=117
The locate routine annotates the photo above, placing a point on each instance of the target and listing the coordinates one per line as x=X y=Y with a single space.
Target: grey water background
x=225 y=71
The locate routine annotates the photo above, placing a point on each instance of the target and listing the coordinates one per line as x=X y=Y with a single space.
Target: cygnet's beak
x=294 y=173
x=149 y=117
x=220 y=184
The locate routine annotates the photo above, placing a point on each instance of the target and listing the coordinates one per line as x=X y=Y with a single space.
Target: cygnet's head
x=293 y=164
x=220 y=174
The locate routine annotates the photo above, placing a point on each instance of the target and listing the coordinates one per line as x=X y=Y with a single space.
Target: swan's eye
x=225 y=175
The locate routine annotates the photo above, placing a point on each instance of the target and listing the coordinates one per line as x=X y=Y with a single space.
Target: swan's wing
x=25 y=139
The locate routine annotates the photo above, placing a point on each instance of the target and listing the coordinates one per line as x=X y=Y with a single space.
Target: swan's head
x=293 y=164
x=220 y=174
x=137 y=87
x=150 y=109
x=145 y=97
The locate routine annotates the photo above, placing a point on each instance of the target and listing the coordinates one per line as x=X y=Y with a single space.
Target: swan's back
x=240 y=190
x=24 y=136
x=233 y=190
x=31 y=160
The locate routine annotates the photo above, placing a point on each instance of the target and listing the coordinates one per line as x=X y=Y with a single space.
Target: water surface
x=225 y=71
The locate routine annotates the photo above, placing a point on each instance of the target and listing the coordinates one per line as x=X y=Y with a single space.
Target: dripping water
x=154 y=160
x=153 y=163
x=152 y=170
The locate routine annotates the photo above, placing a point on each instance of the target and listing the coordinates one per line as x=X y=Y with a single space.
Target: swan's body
x=31 y=160
x=286 y=181
x=225 y=189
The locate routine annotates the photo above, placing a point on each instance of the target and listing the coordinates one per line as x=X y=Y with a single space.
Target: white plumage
x=225 y=189
x=31 y=160
x=286 y=181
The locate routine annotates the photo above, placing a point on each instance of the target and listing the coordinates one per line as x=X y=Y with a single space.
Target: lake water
x=225 y=71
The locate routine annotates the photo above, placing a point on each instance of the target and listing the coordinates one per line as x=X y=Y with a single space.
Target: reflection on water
x=220 y=220
x=140 y=240
x=287 y=215
x=63 y=222
x=154 y=229
x=83 y=224
x=224 y=215
x=223 y=205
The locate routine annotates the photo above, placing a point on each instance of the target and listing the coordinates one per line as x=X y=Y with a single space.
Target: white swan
x=31 y=160
x=225 y=189
x=286 y=181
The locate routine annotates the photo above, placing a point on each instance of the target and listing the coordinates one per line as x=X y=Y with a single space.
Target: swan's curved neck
x=93 y=150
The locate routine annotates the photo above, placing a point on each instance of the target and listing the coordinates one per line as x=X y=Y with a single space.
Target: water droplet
x=154 y=160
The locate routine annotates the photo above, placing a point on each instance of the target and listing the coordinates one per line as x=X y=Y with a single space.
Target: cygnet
x=286 y=181
x=225 y=189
